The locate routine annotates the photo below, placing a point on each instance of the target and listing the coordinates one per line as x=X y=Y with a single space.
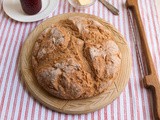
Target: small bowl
x=77 y=5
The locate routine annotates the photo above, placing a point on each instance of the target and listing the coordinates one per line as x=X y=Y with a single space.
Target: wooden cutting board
x=74 y=106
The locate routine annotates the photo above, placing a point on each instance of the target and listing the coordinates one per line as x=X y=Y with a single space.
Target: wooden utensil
x=151 y=79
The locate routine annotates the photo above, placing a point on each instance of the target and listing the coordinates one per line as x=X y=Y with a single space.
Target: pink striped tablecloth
x=135 y=102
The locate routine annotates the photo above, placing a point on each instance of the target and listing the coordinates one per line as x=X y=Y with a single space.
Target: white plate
x=14 y=10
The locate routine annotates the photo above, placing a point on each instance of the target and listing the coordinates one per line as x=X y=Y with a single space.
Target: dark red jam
x=31 y=7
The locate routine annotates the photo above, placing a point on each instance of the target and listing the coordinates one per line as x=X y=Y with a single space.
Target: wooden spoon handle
x=151 y=80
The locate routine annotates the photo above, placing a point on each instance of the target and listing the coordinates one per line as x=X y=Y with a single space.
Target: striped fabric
x=135 y=102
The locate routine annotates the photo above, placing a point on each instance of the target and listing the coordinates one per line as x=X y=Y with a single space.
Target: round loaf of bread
x=76 y=58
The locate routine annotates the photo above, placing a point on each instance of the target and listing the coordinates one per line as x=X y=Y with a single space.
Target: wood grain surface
x=74 y=106
x=151 y=79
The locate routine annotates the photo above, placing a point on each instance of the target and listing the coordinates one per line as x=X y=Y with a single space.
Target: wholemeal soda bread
x=76 y=58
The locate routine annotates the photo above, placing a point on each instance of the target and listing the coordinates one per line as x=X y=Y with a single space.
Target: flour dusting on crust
x=76 y=58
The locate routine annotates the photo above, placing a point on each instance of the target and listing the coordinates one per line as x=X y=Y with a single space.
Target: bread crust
x=76 y=58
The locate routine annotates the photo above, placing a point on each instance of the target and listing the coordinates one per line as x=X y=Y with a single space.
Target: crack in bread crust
x=76 y=58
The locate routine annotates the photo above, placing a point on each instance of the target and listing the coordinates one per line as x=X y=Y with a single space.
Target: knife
x=150 y=79
x=110 y=7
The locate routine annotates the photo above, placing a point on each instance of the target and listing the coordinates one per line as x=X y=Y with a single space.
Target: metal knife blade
x=137 y=43
x=110 y=7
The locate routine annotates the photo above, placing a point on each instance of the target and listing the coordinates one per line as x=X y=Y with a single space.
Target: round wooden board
x=74 y=106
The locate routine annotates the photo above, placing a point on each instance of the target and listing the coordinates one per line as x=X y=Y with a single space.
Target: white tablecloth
x=134 y=103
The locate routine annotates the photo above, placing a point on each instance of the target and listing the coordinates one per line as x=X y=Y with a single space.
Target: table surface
x=158 y=8
x=135 y=102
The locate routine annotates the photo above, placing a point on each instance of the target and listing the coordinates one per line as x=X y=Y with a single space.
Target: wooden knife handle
x=151 y=80
x=133 y=5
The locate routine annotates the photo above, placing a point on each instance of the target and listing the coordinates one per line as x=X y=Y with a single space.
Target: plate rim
x=5 y=8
